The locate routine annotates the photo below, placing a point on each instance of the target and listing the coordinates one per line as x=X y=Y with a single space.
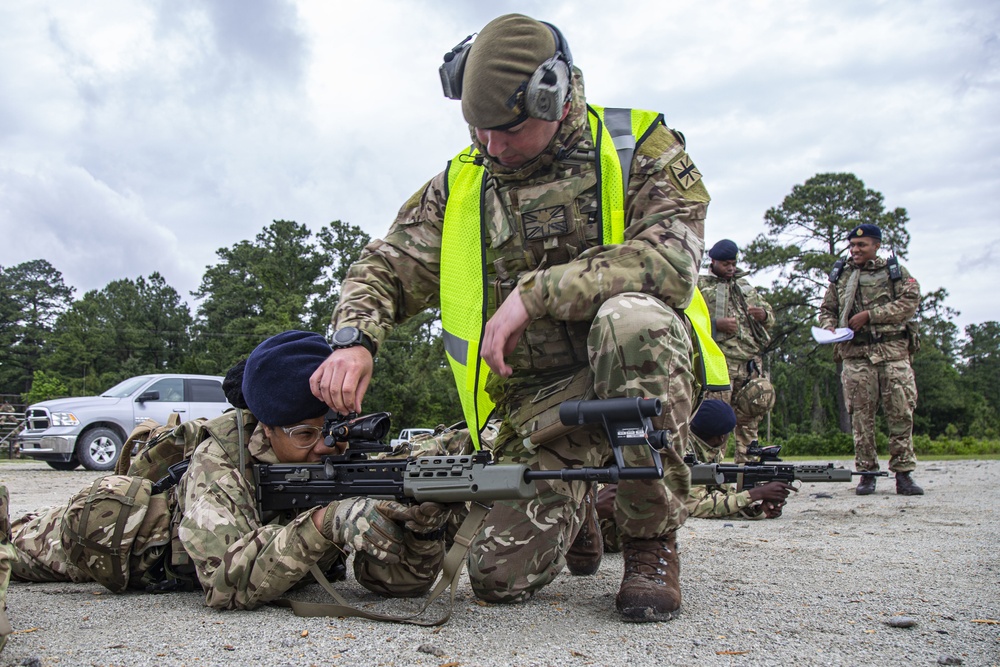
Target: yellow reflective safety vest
x=616 y=134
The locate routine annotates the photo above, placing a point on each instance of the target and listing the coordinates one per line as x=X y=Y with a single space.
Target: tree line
x=53 y=344
x=288 y=277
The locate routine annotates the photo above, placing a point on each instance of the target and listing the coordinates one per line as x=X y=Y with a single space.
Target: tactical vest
x=465 y=297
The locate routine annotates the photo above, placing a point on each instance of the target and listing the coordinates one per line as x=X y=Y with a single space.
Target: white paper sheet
x=825 y=336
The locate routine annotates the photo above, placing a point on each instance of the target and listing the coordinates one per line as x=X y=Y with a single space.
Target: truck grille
x=37 y=419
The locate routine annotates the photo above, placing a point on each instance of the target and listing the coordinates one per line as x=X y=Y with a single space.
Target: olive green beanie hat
x=501 y=61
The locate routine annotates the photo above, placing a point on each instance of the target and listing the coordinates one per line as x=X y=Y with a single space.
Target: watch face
x=347 y=336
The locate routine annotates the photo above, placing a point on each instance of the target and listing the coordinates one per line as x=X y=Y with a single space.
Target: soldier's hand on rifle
x=859 y=320
x=423 y=518
x=772 y=496
x=362 y=524
x=774 y=492
x=758 y=314
x=342 y=380
x=726 y=324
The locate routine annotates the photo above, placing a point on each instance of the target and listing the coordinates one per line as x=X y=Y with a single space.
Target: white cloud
x=189 y=126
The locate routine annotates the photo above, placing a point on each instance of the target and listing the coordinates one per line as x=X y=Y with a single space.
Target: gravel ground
x=818 y=586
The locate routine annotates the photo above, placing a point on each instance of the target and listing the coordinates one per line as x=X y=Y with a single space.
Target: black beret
x=724 y=250
x=232 y=385
x=713 y=418
x=866 y=230
x=276 y=378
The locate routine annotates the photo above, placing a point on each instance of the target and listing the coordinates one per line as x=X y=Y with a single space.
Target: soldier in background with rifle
x=740 y=322
x=710 y=429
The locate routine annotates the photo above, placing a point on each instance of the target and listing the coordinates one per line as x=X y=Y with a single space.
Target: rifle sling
x=450 y=571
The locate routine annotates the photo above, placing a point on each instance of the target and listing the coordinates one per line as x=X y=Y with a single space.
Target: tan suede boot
x=651 y=589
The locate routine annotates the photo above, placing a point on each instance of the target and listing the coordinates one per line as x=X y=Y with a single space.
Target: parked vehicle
x=408 y=434
x=90 y=430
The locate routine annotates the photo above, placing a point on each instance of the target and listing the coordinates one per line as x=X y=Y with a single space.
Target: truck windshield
x=126 y=388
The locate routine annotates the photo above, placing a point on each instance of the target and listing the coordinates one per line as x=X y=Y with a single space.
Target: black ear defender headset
x=547 y=90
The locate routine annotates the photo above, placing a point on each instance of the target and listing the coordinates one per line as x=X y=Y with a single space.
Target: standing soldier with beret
x=741 y=319
x=876 y=298
x=563 y=249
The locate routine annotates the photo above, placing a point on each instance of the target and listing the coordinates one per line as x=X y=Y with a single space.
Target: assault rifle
x=292 y=487
x=768 y=468
x=474 y=478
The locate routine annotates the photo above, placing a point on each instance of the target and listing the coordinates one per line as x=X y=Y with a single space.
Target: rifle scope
x=351 y=427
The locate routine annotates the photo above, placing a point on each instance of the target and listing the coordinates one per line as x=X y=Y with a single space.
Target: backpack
x=912 y=325
x=121 y=525
x=158 y=446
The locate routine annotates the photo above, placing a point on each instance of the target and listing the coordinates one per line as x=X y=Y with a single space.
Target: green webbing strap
x=243 y=444
x=81 y=540
x=450 y=571
x=721 y=302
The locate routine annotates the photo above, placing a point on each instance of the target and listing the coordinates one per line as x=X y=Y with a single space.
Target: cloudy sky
x=140 y=136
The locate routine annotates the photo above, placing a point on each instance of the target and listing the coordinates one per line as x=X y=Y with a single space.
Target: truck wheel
x=98 y=449
x=63 y=465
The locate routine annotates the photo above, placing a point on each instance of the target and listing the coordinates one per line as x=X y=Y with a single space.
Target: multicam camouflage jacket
x=732 y=298
x=717 y=502
x=889 y=305
x=241 y=560
x=543 y=238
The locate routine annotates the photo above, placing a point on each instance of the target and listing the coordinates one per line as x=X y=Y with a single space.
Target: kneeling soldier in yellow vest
x=563 y=249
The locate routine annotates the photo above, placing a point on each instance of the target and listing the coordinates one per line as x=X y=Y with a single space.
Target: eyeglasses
x=303 y=436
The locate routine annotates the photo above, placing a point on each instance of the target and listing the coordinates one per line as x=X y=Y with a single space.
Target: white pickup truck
x=90 y=430
x=408 y=434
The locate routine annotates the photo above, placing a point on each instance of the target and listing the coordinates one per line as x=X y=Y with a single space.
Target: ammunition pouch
x=872 y=338
x=537 y=419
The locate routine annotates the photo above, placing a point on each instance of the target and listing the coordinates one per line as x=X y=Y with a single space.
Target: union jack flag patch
x=685 y=172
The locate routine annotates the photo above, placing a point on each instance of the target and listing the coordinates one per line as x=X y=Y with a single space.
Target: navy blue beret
x=724 y=250
x=866 y=230
x=276 y=378
x=232 y=385
x=713 y=418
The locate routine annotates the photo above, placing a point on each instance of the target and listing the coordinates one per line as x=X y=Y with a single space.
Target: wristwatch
x=350 y=337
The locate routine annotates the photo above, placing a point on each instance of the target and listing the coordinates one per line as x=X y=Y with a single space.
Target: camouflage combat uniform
x=217 y=536
x=606 y=321
x=722 y=501
x=732 y=298
x=877 y=360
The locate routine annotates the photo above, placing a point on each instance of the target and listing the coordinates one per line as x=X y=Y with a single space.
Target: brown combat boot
x=866 y=486
x=905 y=486
x=651 y=588
x=584 y=555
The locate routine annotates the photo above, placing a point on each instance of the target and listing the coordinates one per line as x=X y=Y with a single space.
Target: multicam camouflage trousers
x=637 y=347
x=41 y=556
x=746 y=425
x=892 y=382
x=103 y=534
